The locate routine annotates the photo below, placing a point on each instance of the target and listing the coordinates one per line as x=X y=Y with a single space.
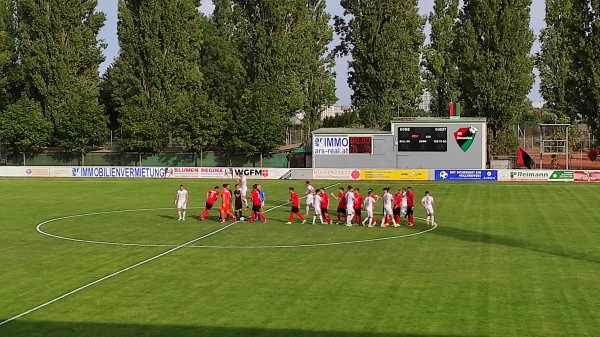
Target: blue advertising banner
x=465 y=175
x=118 y=172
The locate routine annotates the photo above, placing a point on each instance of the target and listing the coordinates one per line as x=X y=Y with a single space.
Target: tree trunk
x=261 y=160
x=82 y=158
x=24 y=164
x=201 y=160
x=140 y=158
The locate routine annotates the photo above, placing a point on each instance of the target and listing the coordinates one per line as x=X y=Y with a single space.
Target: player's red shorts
x=225 y=207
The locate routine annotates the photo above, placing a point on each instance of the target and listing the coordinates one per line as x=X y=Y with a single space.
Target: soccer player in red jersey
x=397 y=206
x=295 y=200
x=211 y=197
x=358 y=203
x=342 y=204
x=255 y=196
x=226 y=203
x=325 y=206
x=410 y=203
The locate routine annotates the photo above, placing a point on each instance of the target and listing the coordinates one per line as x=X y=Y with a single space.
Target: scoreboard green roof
x=401 y=120
x=349 y=131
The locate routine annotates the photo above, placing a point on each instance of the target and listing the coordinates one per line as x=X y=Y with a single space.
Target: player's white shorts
x=429 y=210
x=387 y=210
x=403 y=210
x=317 y=210
x=244 y=190
x=369 y=212
x=181 y=204
x=350 y=210
x=309 y=199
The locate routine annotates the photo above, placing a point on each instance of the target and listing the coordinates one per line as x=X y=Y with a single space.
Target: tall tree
x=157 y=80
x=384 y=39
x=586 y=26
x=7 y=50
x=494 y=40
x=279 y=44
x=59 y=54
x=555 y=59
x=441 y=73
x=319 y=75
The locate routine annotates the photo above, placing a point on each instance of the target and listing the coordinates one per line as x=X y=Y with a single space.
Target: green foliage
x=157 y=82
x=494 y=41
x=373 y=114
x=346 y=120
x=59 y=54
x=23 y=128
x=504 y=143
x=441 y=73
x=283 y=51
x=384 y=39
x=7 y=51
x=555 y=59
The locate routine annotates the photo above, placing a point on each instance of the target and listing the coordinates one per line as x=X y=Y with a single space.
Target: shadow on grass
x=170 y=217
x=472 y=236
x=50 y=329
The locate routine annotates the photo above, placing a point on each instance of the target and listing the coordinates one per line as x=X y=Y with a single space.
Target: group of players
x=257 y=197
x=351 y=204
x=349 y=211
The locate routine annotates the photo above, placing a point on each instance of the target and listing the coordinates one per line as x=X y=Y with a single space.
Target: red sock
x=222 y=216
x=252 y=216
x=230 y=214
x=204 y=214
x=300 y=216
x=411 y=219
x=397 y=218
x=292 y=216
x=339 y=218
x=260 y=215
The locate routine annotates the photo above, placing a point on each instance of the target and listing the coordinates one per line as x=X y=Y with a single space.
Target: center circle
x=40 y=229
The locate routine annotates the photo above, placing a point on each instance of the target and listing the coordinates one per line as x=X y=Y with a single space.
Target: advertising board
x=336 y=174
x=466 y=175
x=394 y=174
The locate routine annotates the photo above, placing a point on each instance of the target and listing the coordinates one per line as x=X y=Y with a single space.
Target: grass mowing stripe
x=130 y=267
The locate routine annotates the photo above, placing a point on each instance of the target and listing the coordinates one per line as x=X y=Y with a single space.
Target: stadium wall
x=356 y=174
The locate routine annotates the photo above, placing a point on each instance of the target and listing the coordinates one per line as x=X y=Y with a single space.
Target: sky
x=343 y=91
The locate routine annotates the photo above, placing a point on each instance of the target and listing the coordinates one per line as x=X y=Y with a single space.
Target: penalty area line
x=127 y=268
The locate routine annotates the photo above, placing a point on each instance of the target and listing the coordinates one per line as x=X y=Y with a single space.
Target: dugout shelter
x=408 y=143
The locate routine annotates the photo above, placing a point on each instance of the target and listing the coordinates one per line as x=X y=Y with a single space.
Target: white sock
x=382 y=221
x=179 y=212
x=321 y=218
x=370 y=221
x=432 y=219
x=183 y=215
x=394 y=221
x=307 y=209
x=314 y=219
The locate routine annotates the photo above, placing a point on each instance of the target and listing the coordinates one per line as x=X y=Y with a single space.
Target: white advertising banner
x=336 y=174
x=331 y=145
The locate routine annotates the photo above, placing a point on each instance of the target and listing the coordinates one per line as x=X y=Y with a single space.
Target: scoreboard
x=422 y=139
x=360 y=145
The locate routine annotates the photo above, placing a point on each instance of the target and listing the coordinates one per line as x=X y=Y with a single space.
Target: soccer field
x=505 y=260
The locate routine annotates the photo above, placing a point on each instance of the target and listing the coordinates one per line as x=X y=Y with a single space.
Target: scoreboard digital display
x=421 y=139
x=360 y=145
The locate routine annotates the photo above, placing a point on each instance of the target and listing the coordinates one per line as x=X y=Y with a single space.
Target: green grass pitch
x=506 y=260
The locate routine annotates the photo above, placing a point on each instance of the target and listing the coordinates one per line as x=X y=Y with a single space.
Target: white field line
x=124 y=269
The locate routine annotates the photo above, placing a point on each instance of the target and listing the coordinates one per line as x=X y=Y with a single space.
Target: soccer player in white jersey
x=404 y=204
x=310 y=195
x=350 y=199
x=181 y=201
x=427 y=202
x=243 y=182
x=369 y=205
x=388 y=212
x=317 y=207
